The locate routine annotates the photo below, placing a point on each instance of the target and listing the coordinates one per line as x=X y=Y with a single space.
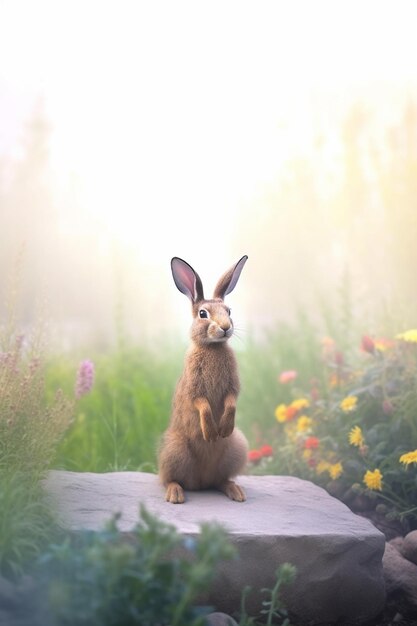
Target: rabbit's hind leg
x=232 y=491
x=174 y=493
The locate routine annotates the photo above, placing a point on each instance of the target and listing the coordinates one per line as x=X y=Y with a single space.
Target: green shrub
x=152 y=577
x=25 y=522
x=30 y=428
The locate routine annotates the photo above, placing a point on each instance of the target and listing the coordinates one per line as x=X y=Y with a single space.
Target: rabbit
x=201 y=448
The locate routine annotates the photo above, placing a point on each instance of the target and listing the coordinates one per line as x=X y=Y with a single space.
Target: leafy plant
x=152 y=577
x=25 y=521
x=29 y=428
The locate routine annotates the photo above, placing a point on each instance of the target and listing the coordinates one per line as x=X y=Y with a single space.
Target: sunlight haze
x=169 y=121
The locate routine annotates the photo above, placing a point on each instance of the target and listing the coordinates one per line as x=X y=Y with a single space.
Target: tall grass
x=29 y=431
x=117 y=426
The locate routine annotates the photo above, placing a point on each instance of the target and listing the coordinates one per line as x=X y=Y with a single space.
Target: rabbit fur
x=201 y=448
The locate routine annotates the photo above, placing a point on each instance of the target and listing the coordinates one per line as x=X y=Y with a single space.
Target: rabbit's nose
x=225 y=328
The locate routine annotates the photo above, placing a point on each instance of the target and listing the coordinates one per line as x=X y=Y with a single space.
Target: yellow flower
x=409 y=457
x=301 y=403
x=281 y=413
x=307 y=454
x=373 y=480
x=408 y=335
x=349 y=404
x=335 y=470
x=322 y=466
x=356 y=437
x=303 y=423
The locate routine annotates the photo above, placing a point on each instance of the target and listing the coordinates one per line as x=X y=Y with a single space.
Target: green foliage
x=118 y=424
x=152 y=577
x=25 y=522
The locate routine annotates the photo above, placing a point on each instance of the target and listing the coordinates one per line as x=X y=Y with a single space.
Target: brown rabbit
x=201 y=448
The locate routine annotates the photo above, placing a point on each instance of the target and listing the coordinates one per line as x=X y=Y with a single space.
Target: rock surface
x=338 y=555
x=409 y=547
x=400 y=572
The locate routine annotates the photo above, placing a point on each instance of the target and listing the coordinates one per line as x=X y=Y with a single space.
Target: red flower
x=254 y=456
x=266 y=450
x=311 y=443
x=368 y=344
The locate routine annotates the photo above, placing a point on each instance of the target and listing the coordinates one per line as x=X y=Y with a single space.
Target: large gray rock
x=338 y=555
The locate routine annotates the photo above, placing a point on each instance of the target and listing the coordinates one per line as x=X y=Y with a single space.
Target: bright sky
x=172 y=114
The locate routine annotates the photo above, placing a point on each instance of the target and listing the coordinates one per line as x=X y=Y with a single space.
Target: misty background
x=132 y=132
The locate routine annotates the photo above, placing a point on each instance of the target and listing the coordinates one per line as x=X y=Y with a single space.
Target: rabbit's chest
x=216 y=377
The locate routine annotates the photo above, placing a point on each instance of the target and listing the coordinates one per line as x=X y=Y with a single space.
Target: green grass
x=117 y=425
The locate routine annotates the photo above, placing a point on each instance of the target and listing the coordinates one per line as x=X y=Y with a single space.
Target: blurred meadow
x=132 y=132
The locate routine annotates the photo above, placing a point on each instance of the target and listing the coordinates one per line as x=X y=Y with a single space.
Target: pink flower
x=287 y=376
x=85 y=378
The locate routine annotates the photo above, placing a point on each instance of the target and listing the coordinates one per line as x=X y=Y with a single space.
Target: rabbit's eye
x=203 y=313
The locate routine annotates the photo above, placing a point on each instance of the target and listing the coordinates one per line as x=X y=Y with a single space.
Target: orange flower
x=291 y=412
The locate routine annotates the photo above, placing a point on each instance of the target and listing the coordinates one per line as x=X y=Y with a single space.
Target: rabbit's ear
x=187 y=280
x=228 y=281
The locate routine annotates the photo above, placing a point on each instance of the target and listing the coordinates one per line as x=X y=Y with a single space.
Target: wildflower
x=349 y=403
x=335 y=470
x=409 y=457
x=322 y=466
x=266 y=450
x=408 y=335
x=368 y=344
x=307 y=454
x=373 y=480
x=290 y=412
x=311 y=442
x=356 y=437
x=303 y=423
x=85 y=378
x=254 y=456
x=281 y=413
x=287 y=376
x=301 y=403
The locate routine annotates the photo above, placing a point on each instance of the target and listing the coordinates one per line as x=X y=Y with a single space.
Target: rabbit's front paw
x=227 y=422
x=209 y=429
